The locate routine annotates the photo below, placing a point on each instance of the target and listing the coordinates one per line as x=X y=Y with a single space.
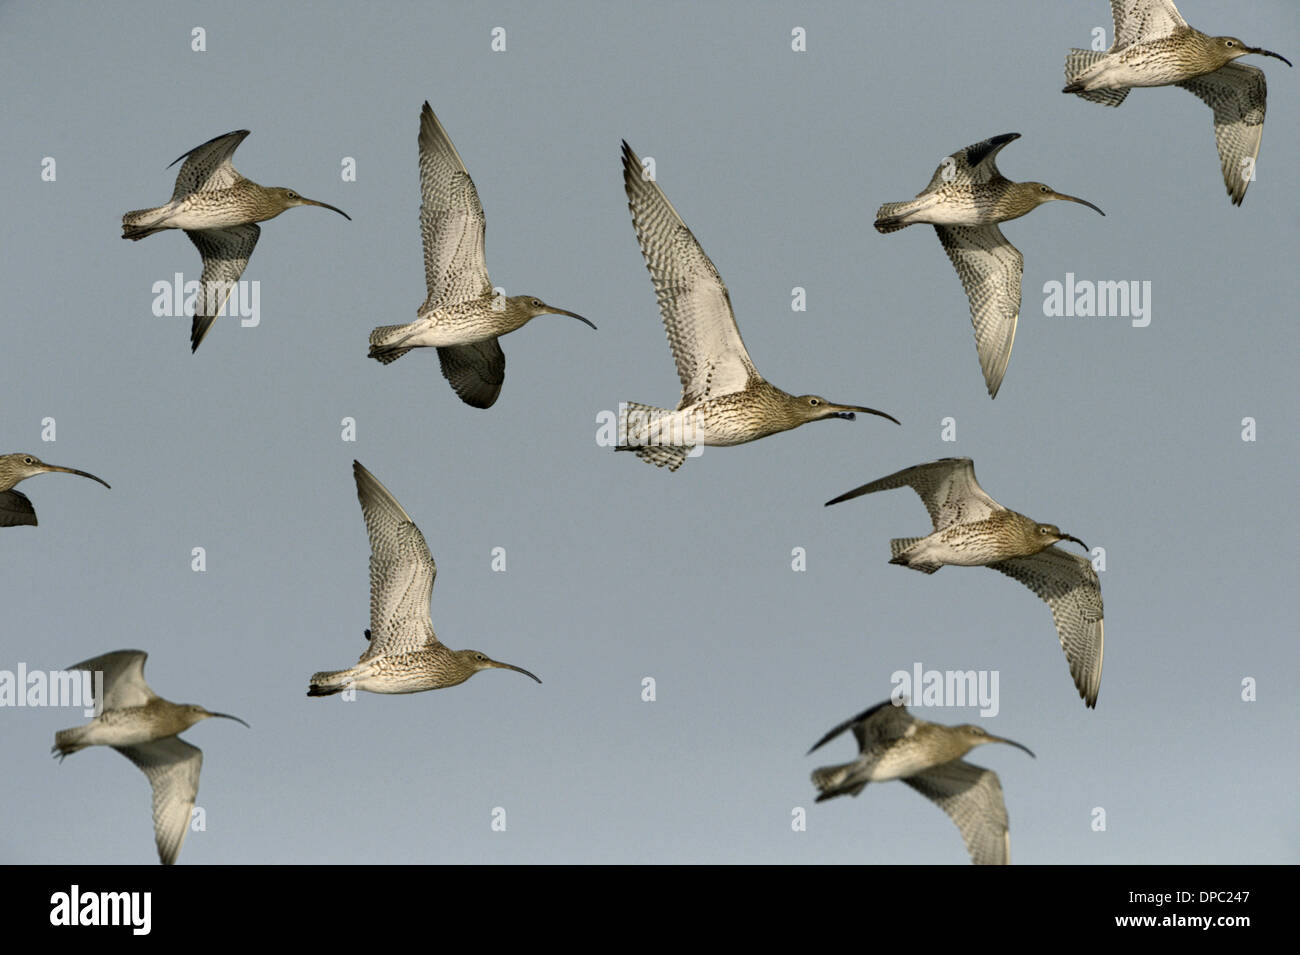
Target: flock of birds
x=724 y=401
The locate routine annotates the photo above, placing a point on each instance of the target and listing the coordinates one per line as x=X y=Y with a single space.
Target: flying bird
x=218 y=209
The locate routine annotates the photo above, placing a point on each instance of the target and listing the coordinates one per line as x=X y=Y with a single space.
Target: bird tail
x=831 y=782
x=329 y=682
x=142 y=222
x=646 y=430
x=898 y=554
x=67 y=742
x=380 y=349
x=1079 y=62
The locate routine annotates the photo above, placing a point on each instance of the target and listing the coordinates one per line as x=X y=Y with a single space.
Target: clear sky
x=1128 y=437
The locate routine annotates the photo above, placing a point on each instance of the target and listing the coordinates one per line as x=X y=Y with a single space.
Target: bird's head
x=1030 y=195
x=19 y=467
x=287 y=199
x=528 y=307
x=805 y=408
x=1043 y=536
x=1228 y=48
x=475 y=660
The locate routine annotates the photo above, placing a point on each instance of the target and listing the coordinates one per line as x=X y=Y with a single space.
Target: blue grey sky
x=1130 y=438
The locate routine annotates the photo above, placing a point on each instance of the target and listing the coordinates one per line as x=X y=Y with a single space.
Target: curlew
x=403 y=654
x=145 y=728
x=218 y=209
x=462 y=316
x=894 y=744
x=973 y=530
x=966 y=199
x=15 y=507
x=725 y=401
x=1154 y=46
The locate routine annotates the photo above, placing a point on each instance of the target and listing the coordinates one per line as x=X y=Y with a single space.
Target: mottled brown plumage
x=403 y=654
x=973 y=530
x=217 y=208
x=894 y=744
x=15 y=507
x=725 y=401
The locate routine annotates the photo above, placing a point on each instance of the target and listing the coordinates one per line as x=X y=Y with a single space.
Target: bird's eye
x=1229 y=43
x=537 y=303
x=814 y=402
x=29 y=460
x=293 y=195
x=1043 y=189
x=480 y=656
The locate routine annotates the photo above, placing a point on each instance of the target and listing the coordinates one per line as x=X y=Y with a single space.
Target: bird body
x=403 y=654
x=724 y=401
x=893 y=744
x=1154 y=46
x=966 y=199
x=217 y=208
x=143 y=727
x=15 y=507
x=462 y=315
x=972 y=529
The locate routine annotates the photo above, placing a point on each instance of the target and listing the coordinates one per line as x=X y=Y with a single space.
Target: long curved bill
x=227 y=716
x=1011 y=742
x=510 y=666
x=1262 y=52
x=326 y=205
x=847 y=412
x=1068 y=537
x=560 y=311
x=1082 y=202
x=54 y=467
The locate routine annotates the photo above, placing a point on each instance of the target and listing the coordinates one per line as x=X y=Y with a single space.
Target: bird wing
x=208 y=167
x=974 y=165
x=172 y=766
x=452 y=224
x=693 y=300
x=16 y=509
x=972 y=798
x=947 y=488
x=225 y=256
x=1237 y=94
x=1069 y=585
x=990 y=269
x=476 y=371
x=880 y=723
x=1137 y=21
x=124 y=684
x=401 y=571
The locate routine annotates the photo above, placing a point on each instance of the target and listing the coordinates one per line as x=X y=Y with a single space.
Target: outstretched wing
x=1137 y=21
x=476 y=371
x=974 y=165
x=1069 y=585
x=401 y=571
x=452 y=224
x=208 y=167
x=16 y=509
x=172 y=766
x=972 y=798
x=947 y=488
x=693 y=300
x=124 y=684
x=225 y=256
x=878 y=724
x=990 y=269
x=1237 y=94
